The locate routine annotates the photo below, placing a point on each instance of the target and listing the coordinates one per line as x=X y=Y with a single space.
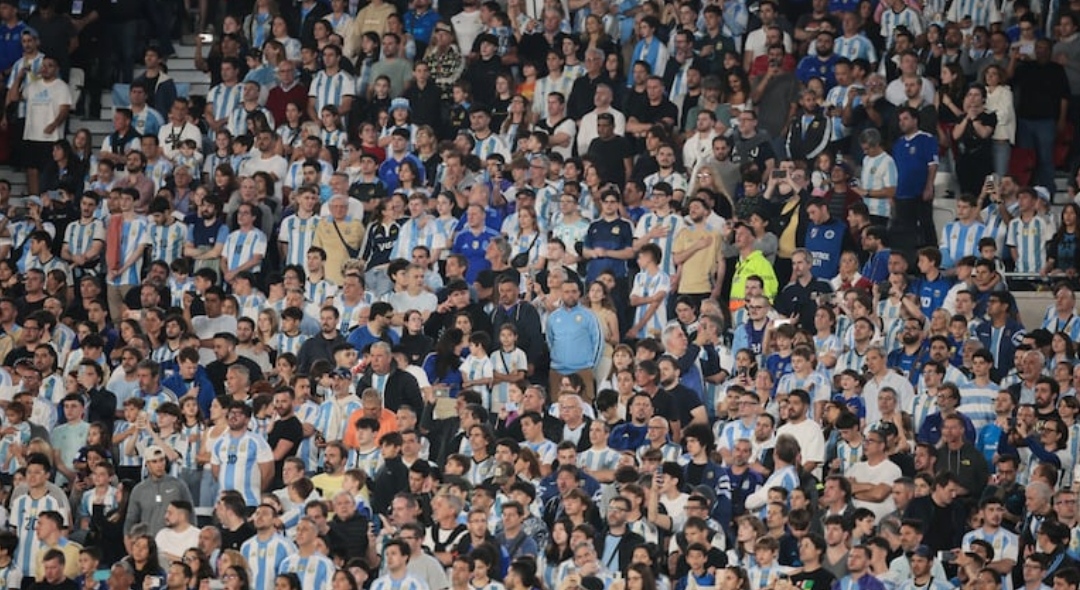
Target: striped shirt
x=319 y=291
x=108 y=502
x=492 y=144
x=878 y=172
x=562 y=84
x=21 y=436
x=907 y=17
x=315 y=572
x=670 y=452
x=224 y=99
x=167 y=241
x=190 y=445
x=282 y=342
x=23 y=520
x=959 y=240
x=367 y=461
x=733 y=432
x=241 y=246
x=982 y=13
x=475 y=368
x=308 y=452
x=417 y=231
x=674 y=224
x=238 y=459
x=238 y=119
x=329 y=89
x=848 y=455
x=389 y=583
x=79 y=236
x=857 y=47
x=1054 y=323
x=333 y=137
x=134 y=235
x=977 y=403
x=816 y=384
x=594 y=459
x=265 y=557
x=506 y=363
x=299 y=234
x=350 y=314
x=1029 y=238
x=34 y=65
x=646 y=285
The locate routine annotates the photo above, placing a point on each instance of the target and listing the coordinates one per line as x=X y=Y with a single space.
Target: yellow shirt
x=327 y=238
x=754 y=264
x=696 y=271
x=71 y=551
x=329 y=485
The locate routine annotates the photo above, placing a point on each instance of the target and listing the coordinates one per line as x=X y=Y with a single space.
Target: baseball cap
x=153 y=453
x=1042 y=193
x=923 y=551
x=341 y=372
x=400 y=103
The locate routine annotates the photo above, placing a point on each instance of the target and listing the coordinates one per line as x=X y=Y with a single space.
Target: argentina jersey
x=282 y=342
x=135 y=234
x=1029 y=239
x=329 y=89
x=241 y=246
x=734 y=431
x=959 y=240
x=315 y=572
x=238 y=460
x=24 y=515
x=598 y=459
x=857 y=47
x=250 y=305
x=298 y=234
x=673 y=224
x=848 y=455
x=79 y=236
x=224 y=100
x=264 y=558
x=1054 y=323
x=414 y=232
x=308 y=452
x=650 y=286
x=167 y=242
x=878 y=172
x=319 y=291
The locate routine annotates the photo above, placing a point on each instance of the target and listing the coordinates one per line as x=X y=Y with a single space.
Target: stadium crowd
x=539 y=295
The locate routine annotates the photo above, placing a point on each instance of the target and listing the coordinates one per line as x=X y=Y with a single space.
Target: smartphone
x=779 y=174
x=781 y=322
x=206 y=37
x=991 y=179
x=947 y=556
x=155 y=581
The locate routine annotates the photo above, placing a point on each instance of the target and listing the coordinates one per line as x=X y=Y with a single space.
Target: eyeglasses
x=229 y=577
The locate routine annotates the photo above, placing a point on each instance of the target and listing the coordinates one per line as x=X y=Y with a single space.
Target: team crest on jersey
x=615 y=231
x=830 y=234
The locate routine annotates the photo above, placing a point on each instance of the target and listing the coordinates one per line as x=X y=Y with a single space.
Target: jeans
x=123 y=35
x=162 y=15
x=1002 y=151
x=1039 y=134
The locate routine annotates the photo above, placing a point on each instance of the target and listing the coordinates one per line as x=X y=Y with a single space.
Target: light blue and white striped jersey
x=1029 y=238
x=315 y=572
x=147 y=122
x=475 y=368
x=135 y=234
x=408 y=582
x=158 y=171
x=308 y=452
x=1006 y=544
x=505 y=363
x=23 y=519
x=878 y=172
x=594 y=459
x=333 y=414
x=545 y=450
x=411 y=235
x=329 y=89
x=294 y=177
x=677 y=180
x=1053 y=323
x=238 y=459
x=674 y=224
x=982 y=13
x=816 y=384
x=238 y=119
x=857 y=47
x=241 y=246
x=250 y=305
x=571 y=233
x=762 y=577
x=492 y=144
x=907 y=17
x=785 y=477
x=8 y=462
x=547 y=203
x=367 y=461
x=108 y=501
x=189 y=445
x=838 y=96
x=167 y=241
x=34 y=65
x=848 y=454
x=959 y=240
x=79 y=236
x=649 y=286
x=52 y=389
x=125 y=460
x=319 y=291
x=670 y=452
x=562 y=84
x=54 y=263
x=224 y=100
x=923 y=405
x=299 y=234
x=733 y=431
x=265 y=557
x=350 y=314
x=333 y=137
x=851 y=358
x=977 y=403
x=282 y=342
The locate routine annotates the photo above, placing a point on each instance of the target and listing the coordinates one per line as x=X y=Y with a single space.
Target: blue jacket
x=1005 y=355
x=174 y=382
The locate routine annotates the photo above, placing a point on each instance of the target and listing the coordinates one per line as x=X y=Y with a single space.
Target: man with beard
x=687 y=403
x=321 y=346
x=208 y=234
x=941 y=517
x=822 y=65
x=286 y=432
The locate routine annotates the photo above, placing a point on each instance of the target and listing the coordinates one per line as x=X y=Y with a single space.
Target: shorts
x=38 y=154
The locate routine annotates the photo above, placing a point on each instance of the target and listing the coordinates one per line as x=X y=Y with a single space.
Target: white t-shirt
x=885 y=472
x=43 y=103
x=174 y=543
x=811 y=441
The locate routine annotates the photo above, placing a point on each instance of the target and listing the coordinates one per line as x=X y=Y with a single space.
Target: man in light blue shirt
x=574 y=338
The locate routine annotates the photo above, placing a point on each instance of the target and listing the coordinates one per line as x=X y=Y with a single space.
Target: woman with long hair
x=972 y=137
x=999 y=100
x=64 y=170
x=267 y=326
x=737 y=92
x=343 y=580
x=949 y=101
x=646 y=558
x=748 y=529
x=191 y=430
x=595 y=36
x=236 y=577
x=279 y=29
x=516 y=123
x=215 y=429
x=1063 y=249
x=258 y=26
x=599 y=302
x=557 y=552
x=409 y=178
x=288 y=581
x=143 y=559
x=1062 y=350
x=195 y=559
x=529 y=240
x=528 y=465
x=442 y=365
x=291 y=130
x=225 y=183
x=414 y=342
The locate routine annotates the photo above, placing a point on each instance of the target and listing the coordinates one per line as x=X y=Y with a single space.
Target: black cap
x=486 y=279
x=488 y=38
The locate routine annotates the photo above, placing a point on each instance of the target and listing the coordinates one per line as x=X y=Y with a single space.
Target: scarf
x=114 y=237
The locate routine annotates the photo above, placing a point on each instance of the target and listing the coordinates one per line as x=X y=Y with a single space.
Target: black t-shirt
x=609 y=158
x=819 y=579
x=286 y=429
x=234 y=539
x=65 y=585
